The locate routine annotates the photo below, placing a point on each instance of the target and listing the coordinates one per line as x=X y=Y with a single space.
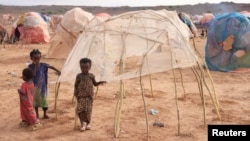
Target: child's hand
x=19 y=91
x=102 y=82
x=58 y=73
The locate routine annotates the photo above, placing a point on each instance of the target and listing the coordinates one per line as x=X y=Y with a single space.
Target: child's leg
x=37 y=114
x=88 y=127
x=81 y=116
x=45 y=116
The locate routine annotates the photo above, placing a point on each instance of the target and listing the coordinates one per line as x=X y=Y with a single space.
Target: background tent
x=32 y=28
x=55 y=20
x=246 y=13
x=185 y=18
x=67 y=32
x=228 y=44
x=196 y=19
x=102 y=16
x=4 y=36
x=206 y=19
x=154 y=41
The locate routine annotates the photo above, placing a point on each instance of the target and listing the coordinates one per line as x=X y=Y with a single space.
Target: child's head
x=35 y=56
x=85 y=65
x=27 y=74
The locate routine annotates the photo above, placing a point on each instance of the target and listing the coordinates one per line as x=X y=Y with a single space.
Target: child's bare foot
x=83 y=127
x=46 y=117
x=88 y=127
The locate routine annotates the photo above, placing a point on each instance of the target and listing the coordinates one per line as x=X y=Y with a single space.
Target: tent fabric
x=67 y=32
x=246 y=13
x=102 y=16
x=188 y=21
x=140 y=42
x=228 y=44
x=206 y=19
x=75 y=19
x=196 y=19
x=4 y=36
x=32 y=28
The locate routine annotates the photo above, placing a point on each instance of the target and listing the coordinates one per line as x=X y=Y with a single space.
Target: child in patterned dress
x=84 y=91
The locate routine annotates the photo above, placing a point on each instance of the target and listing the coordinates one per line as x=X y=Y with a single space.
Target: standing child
x=26 y=101
x=40 y=81
x=84 y=92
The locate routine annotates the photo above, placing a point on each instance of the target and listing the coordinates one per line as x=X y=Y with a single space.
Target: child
x=40 y=81
x=84 y=92
x=26 y=101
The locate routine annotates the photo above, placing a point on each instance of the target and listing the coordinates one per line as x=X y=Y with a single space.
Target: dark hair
x=28 y=73
x=33 y=52
x=85 y=60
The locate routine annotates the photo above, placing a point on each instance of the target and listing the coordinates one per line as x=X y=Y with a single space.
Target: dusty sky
x=113 y=3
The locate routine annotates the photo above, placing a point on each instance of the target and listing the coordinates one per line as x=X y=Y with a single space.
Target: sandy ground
x=232 y=90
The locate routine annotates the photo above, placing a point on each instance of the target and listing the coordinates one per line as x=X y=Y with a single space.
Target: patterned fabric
x=84 y=91
x=26 y=103
x=40 y=81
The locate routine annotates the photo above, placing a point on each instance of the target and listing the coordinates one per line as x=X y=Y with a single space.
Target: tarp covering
x=140 y=42
x=102 y=16
x=228 y=43
x=188 y=21
x=71 y=25
x=32 y=28
x=206 y=19
x=246 y=13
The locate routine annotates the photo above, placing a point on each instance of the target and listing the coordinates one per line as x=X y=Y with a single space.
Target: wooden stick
x=143 y=97
x=119 y=108
x=56 y=94
x=198 y=78
x=182 y=84
x=213 y=97
x=176 y=103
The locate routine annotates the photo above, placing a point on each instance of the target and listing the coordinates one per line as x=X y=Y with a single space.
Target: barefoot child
x=84 y=92
x=41 y=81
x=26 y=101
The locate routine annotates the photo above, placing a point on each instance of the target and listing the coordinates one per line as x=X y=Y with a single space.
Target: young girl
x=40 y=81
x=84 y=92
x=26 y=101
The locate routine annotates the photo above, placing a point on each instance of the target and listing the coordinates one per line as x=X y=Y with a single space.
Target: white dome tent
x=67 y=32
x=149 y=41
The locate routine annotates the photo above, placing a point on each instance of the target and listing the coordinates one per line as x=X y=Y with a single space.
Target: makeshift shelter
x=228 y=44
x=140 y=34
x=67 y=32
x=102 y=16
x=55 y=20
x=32 y=28
x=185 y=18
x=132 y=45
x=206 y=19
x=246 y=13
x=4 y=35
x=196 y=19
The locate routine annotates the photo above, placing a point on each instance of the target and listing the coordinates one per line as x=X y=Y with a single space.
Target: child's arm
x=97 y=83
x=55 y=69
x=19 y=91
x=76 y=86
